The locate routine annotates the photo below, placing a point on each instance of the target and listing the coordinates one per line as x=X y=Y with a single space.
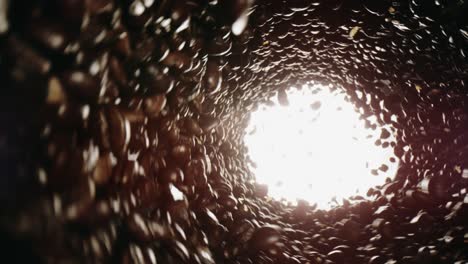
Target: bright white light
x=315 y=153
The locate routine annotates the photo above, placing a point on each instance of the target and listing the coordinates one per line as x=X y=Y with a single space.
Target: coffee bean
x=26 y=58
x=265 y=237
x=112 y=130
x=81 y=85
x=155 y=104
x=103 y=170
x=213 y=78
x=171 y=175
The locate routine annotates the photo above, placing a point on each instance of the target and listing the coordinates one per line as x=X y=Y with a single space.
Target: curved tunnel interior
x=123 y=124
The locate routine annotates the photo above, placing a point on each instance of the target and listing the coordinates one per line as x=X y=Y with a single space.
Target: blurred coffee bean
x=177 y=60
x=103 y=170
x=26 y=58
x=265 y=237
x=213 y=78
x=81 y=85
x=4 y=24
x=171 y=175
x=49 y=35
x=181 y=153
x=153 y=105
x=112 y=130
x=136 y=254
x=157 y=79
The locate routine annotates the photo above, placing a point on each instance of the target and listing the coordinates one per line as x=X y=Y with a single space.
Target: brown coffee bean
x=195 y=172
x=177 y=60
x=265 y=237
x=385 y=134
x=81 y=85
x=99 y=6
x=213 y=77
x=103 y=170
x=193 y=127
x=157 y=79
x=136 y=254
x=49 y=35
x=153 y=105
x=171 y=175
x=26 y=58
x=138 y=227
x=181 y=153
x=208 y=123
x=118 y=72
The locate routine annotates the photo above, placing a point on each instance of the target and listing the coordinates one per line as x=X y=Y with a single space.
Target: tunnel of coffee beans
x=122 y=129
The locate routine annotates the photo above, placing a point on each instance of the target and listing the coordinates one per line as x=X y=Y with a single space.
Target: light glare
x=315 y=149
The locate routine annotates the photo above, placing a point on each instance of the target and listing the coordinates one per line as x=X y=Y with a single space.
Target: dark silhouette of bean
x=171 y=175
x=157 y=79
x=265 y=237
x=26 y=58
x=81 y=85
x=49 y=35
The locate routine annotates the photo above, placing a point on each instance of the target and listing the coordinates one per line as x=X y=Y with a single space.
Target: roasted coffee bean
x=26 y=58
x=437 y=187
x=171 y=175
x=181 y=153
x=261 y=190
x=112 y=130
x=157 y=79
x=118 y=72
x=213 y=77
x=4 y=16
x=195 y=172
x=103 y=170
x=208 y=123
x=265 y=237
x=55 y=93
x=136 y=254
x=100 y=6
x=193 y=127
x=181 y=14
x=336 y=255
x=80 y=200
x=177 y=60
x=221 y=44
x=139 y=228
x=153 y=105
x=231 y=10
x=49 y=35
x=81 y=85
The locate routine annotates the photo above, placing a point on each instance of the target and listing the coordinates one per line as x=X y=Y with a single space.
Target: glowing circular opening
x=316 y=148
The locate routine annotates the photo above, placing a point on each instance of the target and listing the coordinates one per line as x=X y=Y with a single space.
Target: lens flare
x=316 y=148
